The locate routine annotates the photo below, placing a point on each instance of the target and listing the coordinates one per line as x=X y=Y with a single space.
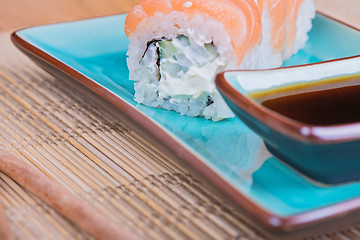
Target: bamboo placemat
x=80 y=141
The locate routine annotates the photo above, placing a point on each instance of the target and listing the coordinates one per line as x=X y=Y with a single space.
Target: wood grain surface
x=16 y=14
x=346 y=10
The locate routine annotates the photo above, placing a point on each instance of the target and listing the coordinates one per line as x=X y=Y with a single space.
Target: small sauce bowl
x=328 y=153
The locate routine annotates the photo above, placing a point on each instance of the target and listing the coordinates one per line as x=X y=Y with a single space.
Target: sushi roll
x=176 y=48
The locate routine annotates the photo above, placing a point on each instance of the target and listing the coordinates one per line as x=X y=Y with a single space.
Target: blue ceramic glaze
x=97 y=49
x=327 y=163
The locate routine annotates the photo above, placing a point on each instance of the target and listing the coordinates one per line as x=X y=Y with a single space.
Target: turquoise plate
x=230 y=155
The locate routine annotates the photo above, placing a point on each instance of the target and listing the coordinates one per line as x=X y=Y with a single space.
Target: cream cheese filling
x=187 y=68
x=194 y=82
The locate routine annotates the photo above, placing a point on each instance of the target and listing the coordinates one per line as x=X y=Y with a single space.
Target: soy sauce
x=325 y=107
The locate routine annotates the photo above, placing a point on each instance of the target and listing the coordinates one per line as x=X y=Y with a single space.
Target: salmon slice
x=283 y=16
x=252 y=10
x=260 y=4
x=240 y=18
x=291 y=29
x=277 y=10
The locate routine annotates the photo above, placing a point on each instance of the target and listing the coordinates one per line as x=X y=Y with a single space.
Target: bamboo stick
x=5 y=231
x=63 y=201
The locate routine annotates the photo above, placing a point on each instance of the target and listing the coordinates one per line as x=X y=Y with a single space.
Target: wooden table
x=210 y=217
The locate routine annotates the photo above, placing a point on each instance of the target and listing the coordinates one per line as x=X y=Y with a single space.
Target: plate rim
x=270 y=220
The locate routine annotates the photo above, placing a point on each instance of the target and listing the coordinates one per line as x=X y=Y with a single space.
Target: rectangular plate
x=231 y=156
